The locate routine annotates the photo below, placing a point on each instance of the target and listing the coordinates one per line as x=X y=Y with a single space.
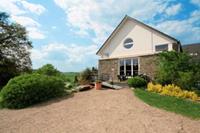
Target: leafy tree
x=48 y=70
x=177 y=68
x=14 y=49
x=94 y=70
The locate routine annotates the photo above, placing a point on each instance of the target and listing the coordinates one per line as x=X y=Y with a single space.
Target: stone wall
x=105 y=69
x=148 y=65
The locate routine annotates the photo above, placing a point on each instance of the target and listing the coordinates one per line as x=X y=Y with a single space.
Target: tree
x=14 y=49
x=48 y=70
x=177 y=68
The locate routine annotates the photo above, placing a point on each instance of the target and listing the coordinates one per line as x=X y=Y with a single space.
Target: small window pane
x=163 y=47
x=121 y=67
x=128 y=67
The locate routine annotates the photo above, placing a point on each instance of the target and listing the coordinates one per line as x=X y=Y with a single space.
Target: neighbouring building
x=193 y=50
x=132 y=48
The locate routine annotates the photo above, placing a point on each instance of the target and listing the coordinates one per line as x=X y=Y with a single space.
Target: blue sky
x=67 y=33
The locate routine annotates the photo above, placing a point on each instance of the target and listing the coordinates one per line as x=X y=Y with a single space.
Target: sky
x=68 y=33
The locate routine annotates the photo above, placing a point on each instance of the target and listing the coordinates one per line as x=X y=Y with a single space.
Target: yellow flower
x=172 y=90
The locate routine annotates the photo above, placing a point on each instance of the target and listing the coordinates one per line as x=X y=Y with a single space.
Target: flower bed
x=172 y=90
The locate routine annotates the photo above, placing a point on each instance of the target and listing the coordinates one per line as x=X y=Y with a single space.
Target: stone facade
x=148 y=65
x=108 y=69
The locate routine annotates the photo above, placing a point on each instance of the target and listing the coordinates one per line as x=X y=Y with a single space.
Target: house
x=193 y=50
x=131 y=49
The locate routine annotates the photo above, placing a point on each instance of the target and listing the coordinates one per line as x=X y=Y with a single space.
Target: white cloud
x=73 y=53
x=72 y=57
x=35 y=33
x=185 y=29
x=174 y=9
x=25 y=21
x=148 y=9
x=196 y=2
x=53 y=27
x=34 y=8
x=11 y=7
x=84 y=17
x=36 y=54
x=94 y=16
x=19 y=9
x=31 y=25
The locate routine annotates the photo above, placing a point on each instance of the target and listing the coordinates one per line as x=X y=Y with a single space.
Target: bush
x=87 y=75
x=178 y=68
x=186 y=80
x=172 y=90
x=49 y=70
x=137 y=82
x=29 y=89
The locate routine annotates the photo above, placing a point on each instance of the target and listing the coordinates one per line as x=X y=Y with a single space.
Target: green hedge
x=137 y=82
x=28 y=89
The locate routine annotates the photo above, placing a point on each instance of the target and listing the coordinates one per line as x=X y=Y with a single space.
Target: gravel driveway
x=95 y=111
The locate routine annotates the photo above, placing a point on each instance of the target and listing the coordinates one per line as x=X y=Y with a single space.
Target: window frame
x=134 y=61
x=128 y=45
x=161 y=49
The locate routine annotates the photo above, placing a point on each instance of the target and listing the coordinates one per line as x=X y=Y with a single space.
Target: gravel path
x=95 y=111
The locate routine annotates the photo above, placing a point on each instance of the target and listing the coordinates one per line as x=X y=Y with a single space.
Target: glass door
x=121 y=67
x=135 y=67
x=128 y=67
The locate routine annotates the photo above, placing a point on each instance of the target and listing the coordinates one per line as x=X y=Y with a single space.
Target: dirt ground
x=95 y=111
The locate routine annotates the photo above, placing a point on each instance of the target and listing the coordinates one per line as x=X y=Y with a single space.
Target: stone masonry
x=148 y=65
x=105 y=69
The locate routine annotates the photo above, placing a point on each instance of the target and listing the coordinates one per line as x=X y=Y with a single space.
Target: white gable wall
x=144 y=41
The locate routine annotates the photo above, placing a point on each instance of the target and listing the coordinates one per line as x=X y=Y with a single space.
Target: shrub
x=178 y=68
x=29 y=89
x=137 y=82
x=145 y=77
x=154 y=88
x=87 y=75
x=185 y=80
x=49 y=70
x=172 y=90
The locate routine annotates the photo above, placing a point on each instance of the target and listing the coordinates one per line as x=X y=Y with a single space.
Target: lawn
x=70 y=75
x=173 y=104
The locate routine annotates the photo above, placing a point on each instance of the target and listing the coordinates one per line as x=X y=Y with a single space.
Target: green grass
x=173 y=104
x=70 y=75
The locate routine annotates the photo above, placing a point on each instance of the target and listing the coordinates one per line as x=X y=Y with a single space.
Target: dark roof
x=135 y=20
x=193 y=50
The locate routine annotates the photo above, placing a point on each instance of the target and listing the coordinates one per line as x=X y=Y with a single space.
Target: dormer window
x=128 y=43
x=162 y=47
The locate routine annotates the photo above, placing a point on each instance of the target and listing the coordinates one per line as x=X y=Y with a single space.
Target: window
x=163 y=47
x=128 y=43
x=128 y=67
x=135 y=67
x=121 y=69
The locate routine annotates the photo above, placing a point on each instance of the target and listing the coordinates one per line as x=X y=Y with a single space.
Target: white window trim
x=138 y=65
x=162 y=44
x=131 y=66
x=124 y=61
x=129 y=43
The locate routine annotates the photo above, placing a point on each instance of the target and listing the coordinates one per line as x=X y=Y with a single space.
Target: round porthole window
x=128 y=43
